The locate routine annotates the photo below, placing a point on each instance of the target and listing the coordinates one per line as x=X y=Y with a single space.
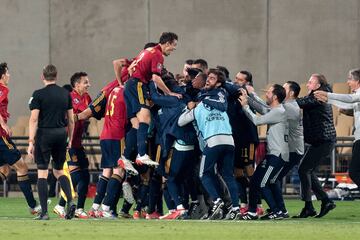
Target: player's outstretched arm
x=161 y=85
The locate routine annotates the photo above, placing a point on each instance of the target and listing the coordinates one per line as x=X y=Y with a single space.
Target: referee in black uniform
x=51 y=123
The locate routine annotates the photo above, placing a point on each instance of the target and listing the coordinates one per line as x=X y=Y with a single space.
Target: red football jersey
x=115 y=116
x=80 y=103
x=149 y=61
x=109 y=87
x=4 y=101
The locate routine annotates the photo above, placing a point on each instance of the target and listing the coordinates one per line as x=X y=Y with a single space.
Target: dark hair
x=189 y=61
x=68 y=87
x=295 y=87
x=248 y=77
x=203 y=76
x=355 y=73
x=279 y=92
x=75 y=78
x=3 y=68
x=220 y=75
x=321 y=79
x=150 y=44
x=168 y=37
x=202 y=63
x=50 y=72
x=224 y=70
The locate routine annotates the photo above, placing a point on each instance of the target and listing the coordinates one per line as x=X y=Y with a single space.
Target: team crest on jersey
x=97 y=108
x=76 y=101
x=159 y=67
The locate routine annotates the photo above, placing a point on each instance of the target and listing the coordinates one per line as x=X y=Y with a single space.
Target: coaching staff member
x=51 y=113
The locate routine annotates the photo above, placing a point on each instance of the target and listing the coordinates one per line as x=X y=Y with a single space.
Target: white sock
x=180 y=207
x=95 y=206
x=105 y=208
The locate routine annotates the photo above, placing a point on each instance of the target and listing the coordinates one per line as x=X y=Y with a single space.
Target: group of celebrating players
x=189 y=139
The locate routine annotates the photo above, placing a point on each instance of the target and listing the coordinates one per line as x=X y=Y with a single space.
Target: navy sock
x=142 y=138
x=25 y=186
x=42 y=186
x=160 y=204
x=169 y=202
x=126 y=207
x=101 y=189
x=82 y=187
x=113 y=207
x=141 y=200
x=112 y=190
x=242 y=183
x=154 y=192
x=65 y=186
x=62 y=202
x=130 y=142
x=75 y=177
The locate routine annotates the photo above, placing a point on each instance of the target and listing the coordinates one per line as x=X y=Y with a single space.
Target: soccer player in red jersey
x=9 y=154
x=78 y=164
x=111 y=147
x=147 y=66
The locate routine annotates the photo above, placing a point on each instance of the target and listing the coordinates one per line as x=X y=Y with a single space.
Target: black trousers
x=307 y=171
x=354 y=167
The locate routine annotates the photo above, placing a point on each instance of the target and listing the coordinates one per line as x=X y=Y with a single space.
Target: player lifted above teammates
x=147 y=66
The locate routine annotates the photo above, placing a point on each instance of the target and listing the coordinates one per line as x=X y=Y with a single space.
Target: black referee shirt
x=53 y=102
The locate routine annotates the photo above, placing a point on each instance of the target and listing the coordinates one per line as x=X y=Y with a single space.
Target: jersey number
x=110 y=109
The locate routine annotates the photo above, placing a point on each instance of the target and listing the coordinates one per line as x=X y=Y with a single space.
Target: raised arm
x=271 y=117
x=258 y=104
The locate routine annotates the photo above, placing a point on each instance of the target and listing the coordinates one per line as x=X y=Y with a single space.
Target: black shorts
x=136 y=97
x=78 y=158
x=9 y=154
x=50 y=142
x=244 y=155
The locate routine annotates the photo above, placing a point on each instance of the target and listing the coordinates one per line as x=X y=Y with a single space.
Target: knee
x=118 y=171
x=107 y=172
x=58 y=173
x=20 y=167
x=134 y=123
x=5 y=171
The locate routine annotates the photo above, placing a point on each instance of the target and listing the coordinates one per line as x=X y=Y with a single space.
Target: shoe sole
x=42 y=219
x=131 y=171
x=139 y=162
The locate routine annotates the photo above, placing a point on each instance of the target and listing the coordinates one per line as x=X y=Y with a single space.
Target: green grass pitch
x=341 y=223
